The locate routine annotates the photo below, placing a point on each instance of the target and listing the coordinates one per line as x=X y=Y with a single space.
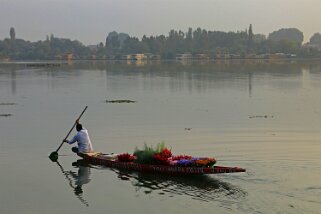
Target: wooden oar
x=54 y=155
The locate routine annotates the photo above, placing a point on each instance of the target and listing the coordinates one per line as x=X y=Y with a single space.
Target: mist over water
x=265 y=117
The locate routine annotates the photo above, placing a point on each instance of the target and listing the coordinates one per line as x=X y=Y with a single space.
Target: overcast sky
x=89 y=21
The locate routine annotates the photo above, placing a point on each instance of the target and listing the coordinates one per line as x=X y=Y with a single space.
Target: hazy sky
x=89 y=21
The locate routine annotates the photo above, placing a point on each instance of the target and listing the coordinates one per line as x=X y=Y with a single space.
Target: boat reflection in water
x=198 y=187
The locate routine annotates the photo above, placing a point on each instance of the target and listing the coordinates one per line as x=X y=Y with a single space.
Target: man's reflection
x=77 y=180
x=82 y=177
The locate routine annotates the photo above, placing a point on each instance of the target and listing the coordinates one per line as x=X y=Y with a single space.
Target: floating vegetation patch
x=5 y=115
x=7 y=104
x=261 y=116
x=120 y=101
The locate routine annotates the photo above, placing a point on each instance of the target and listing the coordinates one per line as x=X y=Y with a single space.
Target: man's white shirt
x=83 y=140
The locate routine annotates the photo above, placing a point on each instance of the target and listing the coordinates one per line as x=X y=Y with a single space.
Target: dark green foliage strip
x=120 y=101
x=199 y=41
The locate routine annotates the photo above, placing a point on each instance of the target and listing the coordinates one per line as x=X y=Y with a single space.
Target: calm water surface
x=265 y=117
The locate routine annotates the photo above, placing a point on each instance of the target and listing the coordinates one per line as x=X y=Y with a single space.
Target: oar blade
x=53 y=156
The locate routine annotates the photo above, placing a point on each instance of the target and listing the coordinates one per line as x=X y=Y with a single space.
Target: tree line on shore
x=198 y=41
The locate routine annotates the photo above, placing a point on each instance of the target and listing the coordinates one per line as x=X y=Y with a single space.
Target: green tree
x=12 y=34
x=251 y=37
x=291 y=34
x=189 y=40
x=315 y=39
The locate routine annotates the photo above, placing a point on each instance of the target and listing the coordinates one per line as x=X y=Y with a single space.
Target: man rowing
x=82 y=138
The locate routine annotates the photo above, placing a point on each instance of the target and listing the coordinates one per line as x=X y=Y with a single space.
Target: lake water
x=265 y=117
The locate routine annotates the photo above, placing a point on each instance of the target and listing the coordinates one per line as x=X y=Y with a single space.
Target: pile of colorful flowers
x=186 y=160
x=161 y=155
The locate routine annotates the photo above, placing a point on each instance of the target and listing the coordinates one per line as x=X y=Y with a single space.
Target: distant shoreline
x=59 y=63
x=39 y=64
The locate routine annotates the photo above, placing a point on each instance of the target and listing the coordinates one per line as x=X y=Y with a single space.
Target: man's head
x=78 y=127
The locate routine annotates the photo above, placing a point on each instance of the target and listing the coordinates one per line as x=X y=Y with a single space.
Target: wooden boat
x=110 y=160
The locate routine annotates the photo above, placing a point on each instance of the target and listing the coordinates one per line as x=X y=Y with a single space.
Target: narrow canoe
x=106 y=160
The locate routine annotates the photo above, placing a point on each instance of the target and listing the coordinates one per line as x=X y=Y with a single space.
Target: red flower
x=166 y=153
x=125 y=157
x=160 y=159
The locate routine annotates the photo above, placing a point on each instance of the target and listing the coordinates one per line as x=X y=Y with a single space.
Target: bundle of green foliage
x=145 y=155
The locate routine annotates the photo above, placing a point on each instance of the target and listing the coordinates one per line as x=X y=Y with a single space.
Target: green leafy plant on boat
x=145 y=155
